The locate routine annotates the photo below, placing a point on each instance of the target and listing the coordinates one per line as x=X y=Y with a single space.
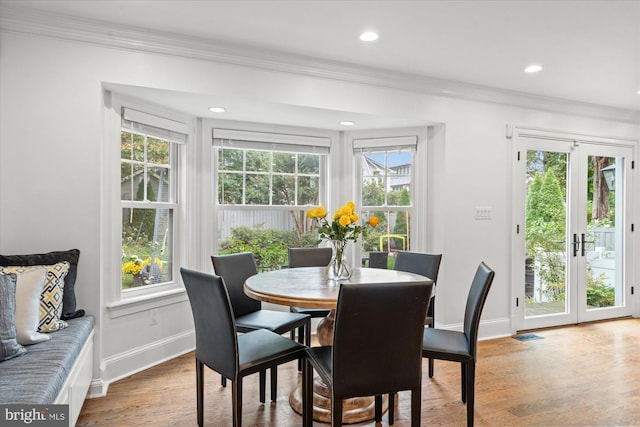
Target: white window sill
x=146 y=302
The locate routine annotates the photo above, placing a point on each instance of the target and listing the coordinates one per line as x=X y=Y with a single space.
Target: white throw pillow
x=28 y=290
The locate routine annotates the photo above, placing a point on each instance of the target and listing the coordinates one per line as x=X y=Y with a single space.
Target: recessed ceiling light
x=533 y=68
x=368 y=36
x=639 y=92
x=347 y=123
x=217 y=109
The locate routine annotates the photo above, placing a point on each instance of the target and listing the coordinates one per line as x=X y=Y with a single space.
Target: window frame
x=286 y=139
x=121 y=302
x=381 y=139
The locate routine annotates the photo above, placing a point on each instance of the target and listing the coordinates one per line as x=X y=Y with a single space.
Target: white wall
x=51 y=136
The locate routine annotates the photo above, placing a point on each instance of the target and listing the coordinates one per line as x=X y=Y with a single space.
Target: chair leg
x=392 y=407
x=223 y=381
x=307 y=335
x=471 y=374
x=301 y=335
x=463 y=378
x=416 y=406
x=336 y=412
x=377 y=417
x=236 y=401
x=200 y=392
x=431 y=368
x=274 y=383
x=307 y=394
x=263 y=385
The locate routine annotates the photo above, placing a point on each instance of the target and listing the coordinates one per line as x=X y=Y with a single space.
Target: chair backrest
x=235 y=269
x=216 y=339
x=423 y=264
x=377 y=342
x=309 y=257
x=378 y=259
x=475 y=302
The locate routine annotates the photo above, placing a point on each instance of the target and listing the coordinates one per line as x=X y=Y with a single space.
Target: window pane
x=131 y=149
x=158 y=184
x=284 y=162
x=146 y=247
x=309 y=164
x=132 y=181
x=284 y=190
x=230 y=159
x=157 y=151
x=230 y=189
x=258 y=161
x=267 y=233
x=391 y=234
x=373 y=191
x=308 y=190
x=257 y=191
x=386 y=178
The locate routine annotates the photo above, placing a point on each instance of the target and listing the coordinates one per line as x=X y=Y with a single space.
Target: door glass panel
x=603 y=242
x=545 y=235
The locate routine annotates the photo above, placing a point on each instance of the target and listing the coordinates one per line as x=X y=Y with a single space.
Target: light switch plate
x=483 y=212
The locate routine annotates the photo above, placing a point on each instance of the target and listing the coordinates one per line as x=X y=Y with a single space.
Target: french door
x=572 y=204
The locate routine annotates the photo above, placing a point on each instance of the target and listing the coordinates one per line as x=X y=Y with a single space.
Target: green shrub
x=270 y=246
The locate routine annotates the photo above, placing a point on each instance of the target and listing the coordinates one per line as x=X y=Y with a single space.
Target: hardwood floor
x=585 y=375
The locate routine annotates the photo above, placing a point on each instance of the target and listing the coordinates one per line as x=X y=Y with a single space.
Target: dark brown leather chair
x=222 y=350
x=235 y=269
x=376 y=348
x=425 y=265
x=462 y=346
x=378 y=259
x=308 y=257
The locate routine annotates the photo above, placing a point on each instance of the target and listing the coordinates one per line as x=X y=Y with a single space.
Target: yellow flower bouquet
x=342 y=228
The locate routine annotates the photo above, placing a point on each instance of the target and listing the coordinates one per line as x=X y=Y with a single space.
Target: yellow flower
x=132 y=267
x=342 y=227
x=374 y=221
x=317 y=213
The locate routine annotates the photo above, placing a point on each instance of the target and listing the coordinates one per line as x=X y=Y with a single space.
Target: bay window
x=265 y=182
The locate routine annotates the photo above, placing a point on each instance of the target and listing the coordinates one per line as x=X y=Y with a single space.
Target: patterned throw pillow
x=52 y=293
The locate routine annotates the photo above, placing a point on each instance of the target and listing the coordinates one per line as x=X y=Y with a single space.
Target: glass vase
x=339 y=269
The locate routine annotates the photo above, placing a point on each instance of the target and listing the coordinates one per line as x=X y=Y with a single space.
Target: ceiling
x=589 y=50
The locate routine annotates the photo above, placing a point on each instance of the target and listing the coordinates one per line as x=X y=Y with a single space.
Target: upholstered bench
x=57 y=371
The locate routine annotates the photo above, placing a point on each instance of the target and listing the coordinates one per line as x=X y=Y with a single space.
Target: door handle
x=584 y=243
x=576 y=244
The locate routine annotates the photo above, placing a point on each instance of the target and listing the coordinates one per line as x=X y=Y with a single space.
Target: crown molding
x=28 y=21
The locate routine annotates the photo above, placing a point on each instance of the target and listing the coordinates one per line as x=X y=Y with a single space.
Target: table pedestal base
x=354 y=410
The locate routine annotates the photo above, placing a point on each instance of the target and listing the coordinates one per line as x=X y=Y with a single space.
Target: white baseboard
x=489 y=329
x=138 y=359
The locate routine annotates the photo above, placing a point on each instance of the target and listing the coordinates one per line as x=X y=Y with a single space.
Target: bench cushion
x=38 y=375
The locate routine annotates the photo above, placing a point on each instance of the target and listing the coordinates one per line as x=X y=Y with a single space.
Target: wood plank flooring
x=584 y=375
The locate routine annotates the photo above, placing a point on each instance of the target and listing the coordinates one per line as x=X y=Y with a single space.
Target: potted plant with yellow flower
x=342 y=228
x=140 y=269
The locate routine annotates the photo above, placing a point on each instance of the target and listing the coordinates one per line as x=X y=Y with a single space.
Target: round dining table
x=309 y=287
